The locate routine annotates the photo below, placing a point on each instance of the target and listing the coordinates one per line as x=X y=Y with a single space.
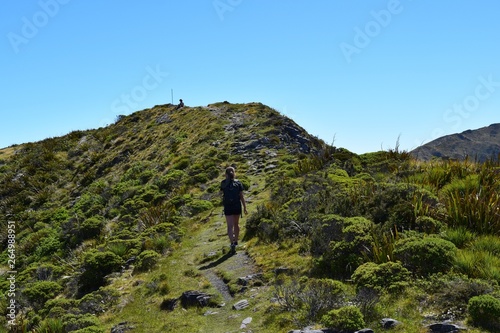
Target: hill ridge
x=481 y=144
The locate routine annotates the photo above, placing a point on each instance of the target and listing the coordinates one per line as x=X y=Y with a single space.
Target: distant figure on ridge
x=180 y=105
x=232 y=190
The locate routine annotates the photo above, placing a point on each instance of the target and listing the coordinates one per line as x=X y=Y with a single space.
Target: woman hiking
x=232 y=190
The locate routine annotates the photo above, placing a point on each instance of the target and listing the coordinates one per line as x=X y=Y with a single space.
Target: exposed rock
x=129 y=262
x=122 y=327
x=241 y=305
x=270 y=167
x=163 y=119
x=389 y=323
x=194 y=298
x=282 y=270
x=169 y=304
x=365 y=330
x=245 y=322
x=210 y=312
x=308 y=330
x=210 y=255
x=444 y=328
x=245 y=280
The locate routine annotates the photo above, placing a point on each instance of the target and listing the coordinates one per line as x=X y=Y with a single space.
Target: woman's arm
x=242 y=199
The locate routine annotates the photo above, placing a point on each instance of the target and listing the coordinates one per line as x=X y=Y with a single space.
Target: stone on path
x=241 y=304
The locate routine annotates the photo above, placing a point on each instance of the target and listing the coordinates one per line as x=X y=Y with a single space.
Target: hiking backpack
x=231 y=190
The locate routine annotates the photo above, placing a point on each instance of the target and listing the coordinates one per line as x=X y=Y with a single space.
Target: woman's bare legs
x=233 y=227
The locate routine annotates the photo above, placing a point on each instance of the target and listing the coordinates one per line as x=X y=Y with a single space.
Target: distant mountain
x=481 y=144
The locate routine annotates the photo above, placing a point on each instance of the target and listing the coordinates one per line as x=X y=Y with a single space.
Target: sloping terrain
x=120 y=229
x=92 y=204
x=481 y=144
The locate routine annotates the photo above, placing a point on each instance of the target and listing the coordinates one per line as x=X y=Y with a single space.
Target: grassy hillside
x=109 y=227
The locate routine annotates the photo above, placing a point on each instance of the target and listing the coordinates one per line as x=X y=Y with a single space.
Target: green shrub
x=345 y=255
x=402 y=216
x=48 y=246
x=90 y=227
x=197 y=206
x=260 y=223
x=96 y=266
x=425 y=256
x=151 y=194
x=59 y=215
x=320 y=295
x=309 y=299
x=484 y=311
x=98 y=301
x=28 y=245
x=79 y=322
x=348 y=319
x=147 y=260
x=390 y=276
x=171 y=180
x=428 y=225
x=181 y=163
x=39 y=292
x=89 y=204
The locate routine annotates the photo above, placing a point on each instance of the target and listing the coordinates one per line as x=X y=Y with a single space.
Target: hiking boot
x=233 y=248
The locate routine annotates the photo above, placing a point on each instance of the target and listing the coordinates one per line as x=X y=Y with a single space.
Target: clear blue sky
x=362 y=72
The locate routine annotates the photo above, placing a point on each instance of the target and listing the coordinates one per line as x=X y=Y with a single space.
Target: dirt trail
x=219 y=264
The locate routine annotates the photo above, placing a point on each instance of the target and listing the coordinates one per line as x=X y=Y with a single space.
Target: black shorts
x=232 y=210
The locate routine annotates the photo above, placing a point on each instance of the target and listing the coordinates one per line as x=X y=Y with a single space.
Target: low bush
x=425 y=256
x=484 y=311
x=90 y=228
x=390 y=276
x=428 y=225
x=197 y=206
x=309 y=299
x=40 y=292
x=82 y=323
x=344 y=256
x=147 y=260
x=345 y=319
x=96 y=266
